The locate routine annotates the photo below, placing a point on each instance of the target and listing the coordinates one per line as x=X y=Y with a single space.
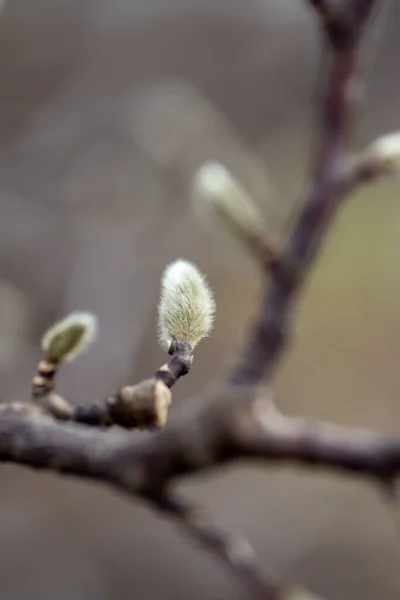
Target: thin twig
x=144 y=405
x=235 y=553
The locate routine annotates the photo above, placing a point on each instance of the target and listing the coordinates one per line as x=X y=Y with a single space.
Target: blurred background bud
x=220 y=198
x=386 y=149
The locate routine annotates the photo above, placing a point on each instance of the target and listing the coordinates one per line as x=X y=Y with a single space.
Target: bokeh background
x=107 y=107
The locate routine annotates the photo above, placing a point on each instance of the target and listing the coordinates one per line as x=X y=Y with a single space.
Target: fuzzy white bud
x=186 y=309
x=218 y=196
x=387 y=149
x=68 y=338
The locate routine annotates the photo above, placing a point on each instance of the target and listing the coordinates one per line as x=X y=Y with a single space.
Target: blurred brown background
x=106 y=109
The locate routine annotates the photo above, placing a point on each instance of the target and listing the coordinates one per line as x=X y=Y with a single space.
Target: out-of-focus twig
x=326 y=191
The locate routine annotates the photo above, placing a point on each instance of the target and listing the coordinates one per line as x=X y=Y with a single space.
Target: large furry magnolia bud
x=66 y=339
x=387 y=149
x=186 y=308
x=219 y=197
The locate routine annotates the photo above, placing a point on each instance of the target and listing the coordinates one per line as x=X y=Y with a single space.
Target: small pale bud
x=387 y=149
x=70 y=337
x=218 y=196
x=186 y=309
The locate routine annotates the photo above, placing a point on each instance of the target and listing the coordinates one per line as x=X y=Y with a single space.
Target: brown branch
x=237 y=422
x=226 y=428
x=197 y=439
x=234 y=552
x=228 y=425
x=322 y=200
x=335 y=22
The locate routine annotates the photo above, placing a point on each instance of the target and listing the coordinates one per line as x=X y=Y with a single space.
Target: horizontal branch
x=226 y=427
x=192 y=443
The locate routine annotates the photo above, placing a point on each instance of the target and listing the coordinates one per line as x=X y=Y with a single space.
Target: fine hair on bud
x=186 y=309
x=387 y=149
x=68 y=338
x=219 y=197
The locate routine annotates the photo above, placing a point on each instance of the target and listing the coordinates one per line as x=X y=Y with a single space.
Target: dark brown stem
x=235 y=553
x=326 y=191
x=335 y=23
x=178 y=366
x=144 y=405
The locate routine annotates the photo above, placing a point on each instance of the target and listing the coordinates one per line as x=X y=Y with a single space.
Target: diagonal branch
x=234 y=552
x=326 y=190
